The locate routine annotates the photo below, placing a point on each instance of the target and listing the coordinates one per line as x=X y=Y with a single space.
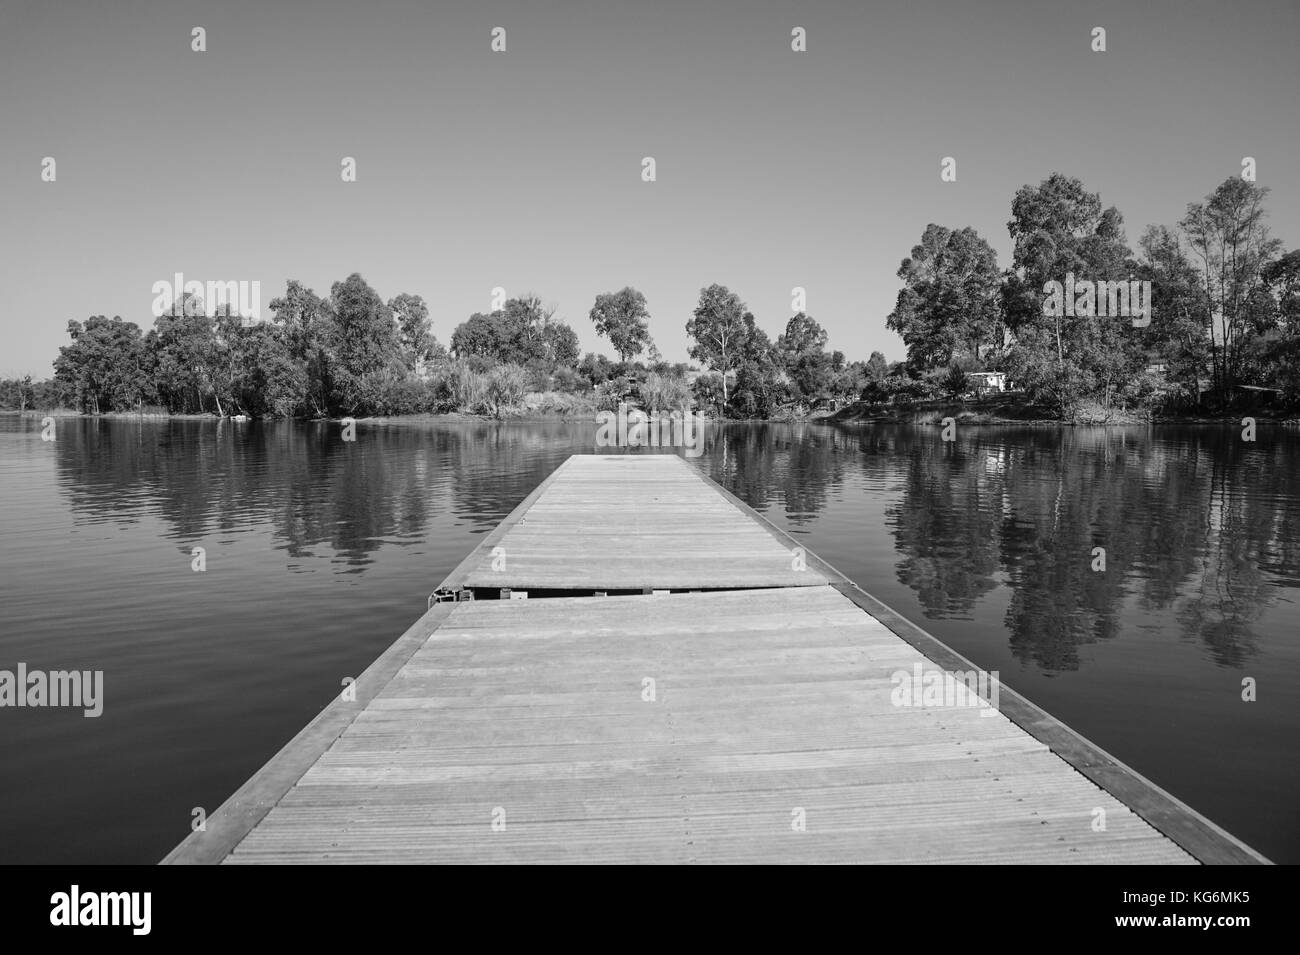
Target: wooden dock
x=726 y=698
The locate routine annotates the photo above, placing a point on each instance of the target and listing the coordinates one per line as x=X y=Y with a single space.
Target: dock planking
x=631 y=522
x=529 y=731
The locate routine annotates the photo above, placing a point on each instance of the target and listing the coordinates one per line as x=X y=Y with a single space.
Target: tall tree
x=413 y=334
x=1229 y=237
x=719 y=331
x=304 y=317
x=1282 y=277
x=362 y=339
x=877 y=367
x=1060 y=228
x=802 y=333
x=1179 y=333
x=104 y=365
x=265 y=380
x=761 y=376
x=802 y=352
x=26 y=394
x=521 y=331
x=622 y=318
x=185 y=358
x=949 y=304
x=528 y=319
x=486 y=334
x=561 y=345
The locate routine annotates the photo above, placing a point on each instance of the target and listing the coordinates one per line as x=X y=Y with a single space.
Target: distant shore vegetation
x=1223 y=331
x=353 y=354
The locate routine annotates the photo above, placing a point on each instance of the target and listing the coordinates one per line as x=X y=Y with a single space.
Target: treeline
x=1225 y=310
x=23 y=394
x=353 y=354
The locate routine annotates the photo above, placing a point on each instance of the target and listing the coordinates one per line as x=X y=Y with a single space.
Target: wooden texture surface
x=766 y=703
x=626 y=522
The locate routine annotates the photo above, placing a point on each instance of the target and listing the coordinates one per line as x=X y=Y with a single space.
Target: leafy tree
x=304 y=316
x=754 y=345
x=413 y=336
x=26 y=394
x=104 y=366
x=707 y=391
x=184 y=358
x=802 y=333
x=801 y=349
x=1179 y=333
x=850 y=380
x=762 y=381
x=719 y=331
x=1058 y=227
x=596 y=368
x=529 y=319
x=485 y=334
x=877 y=366
x=561 y=343
x=1282 y=277
x=950 y=301
x=812 y=374
x=1231 y=241
x=520 y=332
x=265 y=379
x=1056 y=385
x=760 y=388
x=361 y=339
x=622 y=318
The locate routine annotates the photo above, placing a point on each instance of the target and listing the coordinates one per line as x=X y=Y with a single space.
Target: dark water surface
x=320 y=553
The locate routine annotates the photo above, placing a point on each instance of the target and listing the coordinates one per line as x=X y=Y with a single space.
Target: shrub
x=538 y=375
x=565 y=404
x=506 y=385
x=760 y=390
x=597 y=369
x=609 y=395
x=664 y=393
x=387 y=393
x=567 y=379
x=1148 y=390
x=707 y=389
x=463 y=388
x=953 y=382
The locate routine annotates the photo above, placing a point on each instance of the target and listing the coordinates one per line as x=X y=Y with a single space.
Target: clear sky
x=522 y=169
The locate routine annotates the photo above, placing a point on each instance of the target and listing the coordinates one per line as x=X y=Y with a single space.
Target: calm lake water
x=320 y=553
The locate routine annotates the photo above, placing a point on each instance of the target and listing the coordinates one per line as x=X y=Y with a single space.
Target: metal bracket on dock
x=448 y=595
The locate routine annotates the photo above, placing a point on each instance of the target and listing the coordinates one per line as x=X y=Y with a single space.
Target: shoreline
x=966 y=417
